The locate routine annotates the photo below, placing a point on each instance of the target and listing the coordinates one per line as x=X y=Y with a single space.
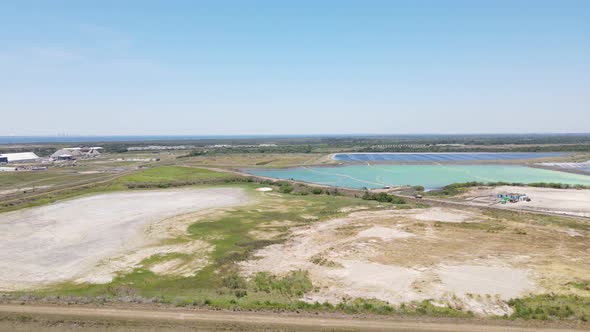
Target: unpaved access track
x=70 y=318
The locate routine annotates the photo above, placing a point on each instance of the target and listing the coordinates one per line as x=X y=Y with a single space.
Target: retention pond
x=429 y=176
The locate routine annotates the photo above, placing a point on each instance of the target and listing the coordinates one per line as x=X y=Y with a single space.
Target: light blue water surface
x=429 y=176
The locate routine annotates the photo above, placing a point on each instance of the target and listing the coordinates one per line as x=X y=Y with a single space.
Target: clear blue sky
x=294 y=67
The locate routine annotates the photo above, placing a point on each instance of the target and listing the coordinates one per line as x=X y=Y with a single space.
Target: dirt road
x=215 y=320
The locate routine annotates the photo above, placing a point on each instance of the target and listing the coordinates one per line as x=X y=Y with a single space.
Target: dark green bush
x=383 y=198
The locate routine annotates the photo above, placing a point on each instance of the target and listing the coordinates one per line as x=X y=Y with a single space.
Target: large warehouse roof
x=71 y=152
x=20 y=156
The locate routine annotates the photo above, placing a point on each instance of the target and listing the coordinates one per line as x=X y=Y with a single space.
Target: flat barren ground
x=465 y=259
x=78 y=238
x=573 y=202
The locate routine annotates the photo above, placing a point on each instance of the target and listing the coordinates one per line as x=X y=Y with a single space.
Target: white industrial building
x=19 y=157
x=75 y=153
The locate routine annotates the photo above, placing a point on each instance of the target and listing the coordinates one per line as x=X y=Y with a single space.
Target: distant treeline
x=367 y=143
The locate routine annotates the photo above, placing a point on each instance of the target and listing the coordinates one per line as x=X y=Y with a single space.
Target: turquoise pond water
x=429 y=176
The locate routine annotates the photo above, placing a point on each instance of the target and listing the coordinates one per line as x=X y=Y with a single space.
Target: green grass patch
x=551 y=307
x=582 y=285
x=171 y=174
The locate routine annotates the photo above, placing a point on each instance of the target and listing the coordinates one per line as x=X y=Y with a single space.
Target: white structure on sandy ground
x=19 y=157
x=75 y=153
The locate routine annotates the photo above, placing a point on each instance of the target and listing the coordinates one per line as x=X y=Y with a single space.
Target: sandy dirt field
x=426 y=254
x=563 y=201
x=80 y=239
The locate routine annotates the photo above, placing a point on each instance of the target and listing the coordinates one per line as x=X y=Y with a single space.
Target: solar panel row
x=441 y=157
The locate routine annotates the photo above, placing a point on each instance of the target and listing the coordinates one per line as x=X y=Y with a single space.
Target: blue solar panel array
x=442 y=157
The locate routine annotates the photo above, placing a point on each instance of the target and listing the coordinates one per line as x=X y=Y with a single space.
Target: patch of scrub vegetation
x=551 y=307
x=172 y=176
x=323 y=261
x=582 y=284
x=293 y=285
x=487 y=226
x=538 y=219
x=383 y=198
x=173 y=173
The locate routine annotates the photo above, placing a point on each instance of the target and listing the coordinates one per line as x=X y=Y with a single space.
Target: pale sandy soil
x=409 y=255
x=448 y=215
x=384 y=233
x=563 y=201
x=106 y=268
x=90 y=238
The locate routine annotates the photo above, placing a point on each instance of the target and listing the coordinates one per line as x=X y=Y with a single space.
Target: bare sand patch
x=505 y=282
x=384 y=233
x=446 y=215
x=68 y=240
x=563 y=201
x=168 y=266
x=352 y=209
x=264 y=234
x=368 y=280
x=185 y=267
x=391 y=255
x=107 y=268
